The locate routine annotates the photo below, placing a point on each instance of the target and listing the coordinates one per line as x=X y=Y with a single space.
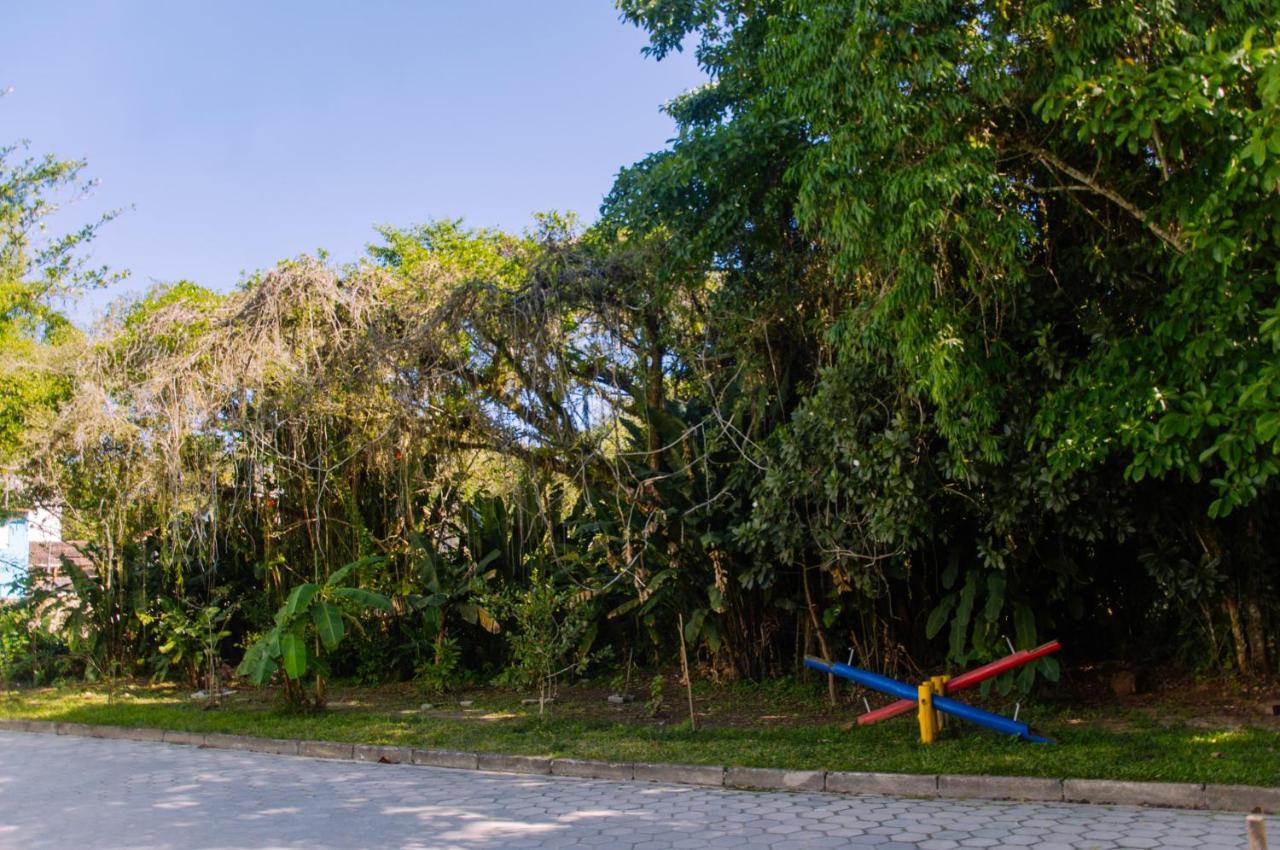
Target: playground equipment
x=929 y=698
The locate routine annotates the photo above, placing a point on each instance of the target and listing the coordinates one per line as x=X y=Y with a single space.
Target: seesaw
x=928 y=698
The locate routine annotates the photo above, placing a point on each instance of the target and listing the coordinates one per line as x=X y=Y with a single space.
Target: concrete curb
x=896 y=784
x=446 y=758
x=680 y=774
x=513 y=764
x=775 y=779
x=113 y=732
x=383 y=755
x=250 y=744
x=584 y=769
x=1178 y=795
x=327 y=750
x=1032 y=788
x=190 y=739
x=1224 y=798
x=1241 y=798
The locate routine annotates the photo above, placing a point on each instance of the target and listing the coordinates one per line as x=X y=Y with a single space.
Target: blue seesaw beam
x=902 y=690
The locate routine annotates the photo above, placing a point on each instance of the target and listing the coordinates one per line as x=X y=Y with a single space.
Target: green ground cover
x=744 y=726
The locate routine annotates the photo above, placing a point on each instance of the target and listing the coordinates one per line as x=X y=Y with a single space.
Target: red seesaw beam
x=965 y=680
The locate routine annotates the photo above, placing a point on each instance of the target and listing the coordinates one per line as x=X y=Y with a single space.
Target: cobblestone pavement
x=87 y=794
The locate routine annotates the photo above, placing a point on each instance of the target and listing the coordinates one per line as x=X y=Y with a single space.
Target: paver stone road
x=88 y=794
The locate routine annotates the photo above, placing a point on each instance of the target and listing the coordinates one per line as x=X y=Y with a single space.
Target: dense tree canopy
x=1044 y=238
x=937 y=322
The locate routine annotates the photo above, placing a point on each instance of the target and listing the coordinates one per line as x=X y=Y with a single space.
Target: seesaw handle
x=965 y=680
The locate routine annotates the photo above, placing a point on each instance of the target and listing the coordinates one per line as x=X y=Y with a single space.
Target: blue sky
x=245 y=132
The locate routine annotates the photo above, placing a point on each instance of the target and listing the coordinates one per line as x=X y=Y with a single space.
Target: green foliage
x=99 y=614
x=657 y=695
x=443 y=672
x=549 y=623
x=310 y=624
x=937 y=327
x=188 y=642
x=1048 y=258
x=14 y=639
x=1192 y=392
x=29 y=653
x=35 y=269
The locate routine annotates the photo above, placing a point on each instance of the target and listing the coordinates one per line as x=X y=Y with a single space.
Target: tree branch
x=1169 y=237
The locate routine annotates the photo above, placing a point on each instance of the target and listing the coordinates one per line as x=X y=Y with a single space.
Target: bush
x=28 y=652
x=549 y=626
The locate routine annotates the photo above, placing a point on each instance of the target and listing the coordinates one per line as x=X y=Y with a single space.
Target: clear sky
x=245 y=132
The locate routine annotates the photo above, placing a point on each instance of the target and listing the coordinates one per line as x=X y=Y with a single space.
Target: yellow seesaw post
x=939 y=688
x=928 y=719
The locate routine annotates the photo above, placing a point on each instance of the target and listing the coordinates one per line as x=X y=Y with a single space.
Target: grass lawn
x=778 y=725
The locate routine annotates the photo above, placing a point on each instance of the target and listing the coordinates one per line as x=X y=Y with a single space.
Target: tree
x=1046 y=237
x=311 y=623
x=36 y=269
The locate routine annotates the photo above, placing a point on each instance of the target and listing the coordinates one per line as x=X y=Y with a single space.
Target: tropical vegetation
x=938 y=324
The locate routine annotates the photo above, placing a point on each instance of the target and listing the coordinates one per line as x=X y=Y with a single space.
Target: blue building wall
x=15 y=552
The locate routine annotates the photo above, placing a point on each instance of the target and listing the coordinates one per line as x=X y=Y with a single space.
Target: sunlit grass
x=1090 y=744
x=1218 y=737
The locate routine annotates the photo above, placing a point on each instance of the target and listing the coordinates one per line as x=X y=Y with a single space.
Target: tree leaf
x=258 y=664
x=340 y=575
x=716 y=599
x=487 y=622
x=299 y=600
x=1026 y=677
x=328 y=620
x=293 y=652
x=938 y=617
x=1024 y=626
x=1050 y=669
x=995 y=596
x=952 y=570
x=364 y=598
x=964 y=610
x=693 y=626
x=625 y=607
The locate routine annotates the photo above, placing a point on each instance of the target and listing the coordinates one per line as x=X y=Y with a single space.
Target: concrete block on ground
x=775 y=779
x=1241 y=798
x=446 y=758
x=897 y=784
x=682 y=774
x=1178 y=795
x=1036 y=788
x=513 y=764
x=79 y=730
x=326 y=750
x=15 y=725
x=273 y=746
x=190 y=739
x=124 y=733
x=586 y=769
x=46 y=727
x=221 y=741
x=383 y=754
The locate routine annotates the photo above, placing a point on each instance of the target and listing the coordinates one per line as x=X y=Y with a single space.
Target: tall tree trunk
x=1215 y=645
x=654 y=391
x=1255 y=631
x=1237 y=633
x=1208 y=537
x=818 y=632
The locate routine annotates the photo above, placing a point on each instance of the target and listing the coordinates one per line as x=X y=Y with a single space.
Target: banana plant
x=312 y=622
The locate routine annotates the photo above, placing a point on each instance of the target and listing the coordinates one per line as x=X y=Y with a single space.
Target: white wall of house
x=44 y=526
